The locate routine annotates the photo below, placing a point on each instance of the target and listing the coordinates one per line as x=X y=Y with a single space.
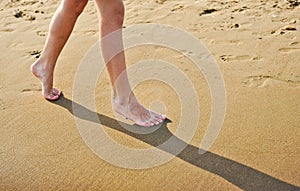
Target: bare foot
x=46 y=77
x=133 y=110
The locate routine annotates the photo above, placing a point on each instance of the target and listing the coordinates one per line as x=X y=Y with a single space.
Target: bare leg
x=124 y=101
x=60 y=29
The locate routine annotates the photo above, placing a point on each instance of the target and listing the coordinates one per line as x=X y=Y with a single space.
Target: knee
x=113 y=13
x=74 y=7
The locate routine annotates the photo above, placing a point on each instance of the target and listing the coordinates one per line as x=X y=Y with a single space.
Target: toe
x=151 y=122
x=144 y=123
x=162 y=117
x=157 y=123
x=154 y=121
x=56 y=91
x=159 y=119
x=52 y=97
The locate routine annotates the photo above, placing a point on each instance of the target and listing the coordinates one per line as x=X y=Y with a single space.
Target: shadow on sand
x=238 y=174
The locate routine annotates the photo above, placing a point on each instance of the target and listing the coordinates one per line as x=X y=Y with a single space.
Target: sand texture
x=256 y=45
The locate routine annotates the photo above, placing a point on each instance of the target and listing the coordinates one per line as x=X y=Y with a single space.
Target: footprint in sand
x=293 y=3
x=30 y=18
x=295 y=43
x=36 y=53
x=256 y=81
x=295 y=46
x=7 y=30
x=177 y=7
x=2 y=105
x=227 y=58
x=284 y=30
x=268 y=80
x=207 y=11
x=41 y=33
x=289 y=50
x=27 y=90
x=18 y=13
x=240 y=9
x=160 y=1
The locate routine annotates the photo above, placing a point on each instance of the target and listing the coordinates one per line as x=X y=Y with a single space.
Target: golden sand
x=257 y=47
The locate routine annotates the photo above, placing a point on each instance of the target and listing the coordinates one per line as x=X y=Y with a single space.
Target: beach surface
x=256 y=45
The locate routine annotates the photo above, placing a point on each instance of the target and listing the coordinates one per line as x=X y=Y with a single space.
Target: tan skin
x=111 y=16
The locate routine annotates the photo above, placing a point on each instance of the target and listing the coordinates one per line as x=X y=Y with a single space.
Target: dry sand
x=257 y=47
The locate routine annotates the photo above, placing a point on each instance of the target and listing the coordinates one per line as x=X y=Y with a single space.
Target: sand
x=256 y=45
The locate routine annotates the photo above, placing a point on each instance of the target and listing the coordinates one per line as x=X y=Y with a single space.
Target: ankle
x=119 y=100
x=124 y=99
x=42 y=65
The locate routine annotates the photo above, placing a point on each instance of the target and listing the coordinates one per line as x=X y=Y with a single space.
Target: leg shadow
x=238 y=174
